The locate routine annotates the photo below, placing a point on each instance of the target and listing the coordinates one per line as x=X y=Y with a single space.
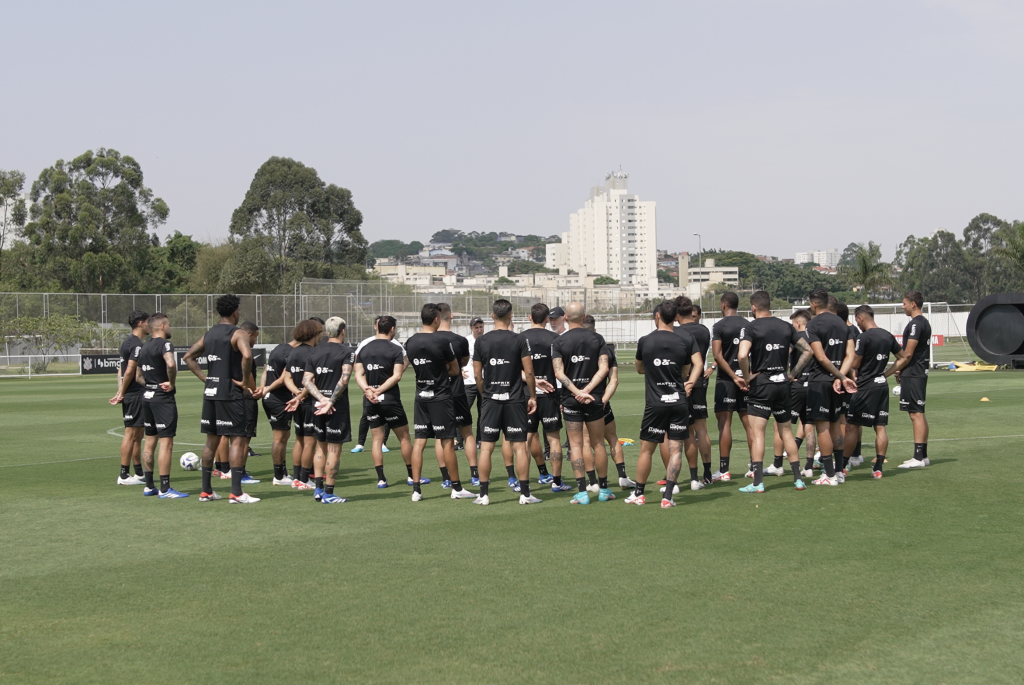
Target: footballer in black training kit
x=129 y=396
x=159 y=370
x=729 y=398
x=917 y=340
x=309 y=335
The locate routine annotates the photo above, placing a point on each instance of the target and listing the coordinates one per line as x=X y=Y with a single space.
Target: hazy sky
x=766 y=126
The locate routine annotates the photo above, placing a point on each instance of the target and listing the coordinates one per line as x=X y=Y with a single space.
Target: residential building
x=698 y=278
x=614 y=234
x=828 y=257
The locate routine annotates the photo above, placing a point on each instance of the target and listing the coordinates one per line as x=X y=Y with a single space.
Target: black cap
x=475 y=320
x=557 y=313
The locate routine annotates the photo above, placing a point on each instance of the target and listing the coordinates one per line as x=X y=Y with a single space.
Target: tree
x=210 y=262
x=394 y=248
x=987 y=248
x=50 y=336
x=251 y=269
x=522 y=266
x=12 y=207
x=936 y=266
x=866 y=268
x=605 y=280
x=90 y=223
x=504 y=281
x=665 y=277
x=307 y=224
x=747 y=262
x=1013 y=249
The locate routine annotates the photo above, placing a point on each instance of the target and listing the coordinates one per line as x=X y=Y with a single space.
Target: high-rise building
x=828 y=257
x=614 y=234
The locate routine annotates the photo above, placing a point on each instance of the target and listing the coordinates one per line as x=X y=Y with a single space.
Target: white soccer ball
x=897 y=390
x=189 y=461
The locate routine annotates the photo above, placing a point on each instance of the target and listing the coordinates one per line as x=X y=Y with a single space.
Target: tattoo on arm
x=172 y=368
x=310 y=386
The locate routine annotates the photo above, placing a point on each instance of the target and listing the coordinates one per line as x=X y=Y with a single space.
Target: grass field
x=915 y=578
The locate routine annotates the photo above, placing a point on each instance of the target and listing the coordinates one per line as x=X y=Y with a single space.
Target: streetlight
x=700 y=264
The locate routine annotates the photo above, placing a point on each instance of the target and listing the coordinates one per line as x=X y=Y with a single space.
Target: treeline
x=90 y=226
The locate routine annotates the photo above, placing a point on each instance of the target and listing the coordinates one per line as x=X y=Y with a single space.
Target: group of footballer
x=818 y=371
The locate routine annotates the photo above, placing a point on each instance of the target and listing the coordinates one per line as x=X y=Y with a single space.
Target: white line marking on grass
x=64 y=461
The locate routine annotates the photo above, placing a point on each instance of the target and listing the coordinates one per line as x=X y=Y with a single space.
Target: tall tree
x=1013 y=249
x=12 y=207
x=865 y=268
x=936 y=266
x=90 y=223
x=301 y=218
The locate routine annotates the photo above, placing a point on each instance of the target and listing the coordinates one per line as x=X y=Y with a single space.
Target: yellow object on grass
x=961 y=366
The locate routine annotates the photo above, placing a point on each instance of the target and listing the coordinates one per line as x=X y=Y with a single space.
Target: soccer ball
x=189 y=461
x=895 y=391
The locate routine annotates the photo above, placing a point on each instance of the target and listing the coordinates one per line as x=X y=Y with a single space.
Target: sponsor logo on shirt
x=212 y=358
x=663 y=362
x=771 y=347
x=577 y=358
x=498 y=362
x=674 y=397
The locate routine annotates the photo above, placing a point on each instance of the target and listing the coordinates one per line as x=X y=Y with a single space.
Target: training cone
x=985 y=399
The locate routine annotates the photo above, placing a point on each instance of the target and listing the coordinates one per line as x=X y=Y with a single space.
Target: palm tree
x=867 y=270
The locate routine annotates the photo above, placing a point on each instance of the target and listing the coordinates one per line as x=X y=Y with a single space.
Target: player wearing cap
x=870 y=405
x=463 y=415
x=433 y=360
x=548 y=415
x=830 y=342
x=364 y=424
x=913 y=380
x=379 y=365
x=557 y=321
x=129 y=396
x=159 y=370
x=503 y=365
x=671 y=365
x=729 y=398
x=275 y=398
x=227 y=381
x=764 y=355
x=581 y=366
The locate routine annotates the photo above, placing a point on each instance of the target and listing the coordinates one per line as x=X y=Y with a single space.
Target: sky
x=771 y=127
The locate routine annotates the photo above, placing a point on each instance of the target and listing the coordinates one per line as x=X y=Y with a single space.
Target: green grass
x=914 y=578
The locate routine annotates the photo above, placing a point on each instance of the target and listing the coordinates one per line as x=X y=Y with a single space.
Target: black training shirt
x=296 y=365
x=540 y=340
x=223 y=364
x=832 y=333
x=379 y=358
x=702 y=336
x=429 y=355
x=130 y=349
x=579 y=349
x=920 y=330
x=501 y=353
x=276 y=362
x=770 y=339
x=727 y=330
x=154 y=368
x=874 y=347
x=665 y=354
x=326 y=364
x=460 y=346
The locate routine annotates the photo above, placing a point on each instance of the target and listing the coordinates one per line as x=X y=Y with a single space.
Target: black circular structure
x=995 y=329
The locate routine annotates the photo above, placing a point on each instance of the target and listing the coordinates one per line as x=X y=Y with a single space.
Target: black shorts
x=698 y=401
x=333 y=428
x=252 y=416
x=131 y=410
x=659 y=422
x=503 y=417
x=303 y=416
x=798 y=400
x=869 y=406
x=574 y=412
x=823 y=403
x=390 y=415
x=609 y=415
x=770 y=400
x=224 y=417
x=728 y=397
x=547 y=414
x=463 y=417
x=161 y=418
x=280 y=420
x=912 y=394
x=434 y=420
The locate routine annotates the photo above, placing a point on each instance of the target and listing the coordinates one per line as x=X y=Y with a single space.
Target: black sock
x=592 y=477
x=223 y=466
x=758 y=472
x=919 y=451
x=777 y=463
x=856 y=450
x=303 y=474
x=830 y=468
x=810 y=464
x=408 y=469
x=707 y=469
x=416 y=487
x=542 y=469
x=846 y=462
x=444 y=473
x=524 y=487
x=138 y=470
x=148 y=475
x=124 y=471
x=319 y=482
x=207 y=480
x=926 y=450
x=165 y=483
x=621 y=468
x=670 y=487
x=474 y=471
x=693 y=474
x=799 y=442
x=879 y=460
x=558 y=480
x=639 y=490
x=236 y=482
x=602 y=483
x=380 y=473
x=329 y=489
x=723 y=464
x=581 y=484
x=795 y=466
x=511 y=470
x=278 y=471
x=456 y=485
x=484 y=487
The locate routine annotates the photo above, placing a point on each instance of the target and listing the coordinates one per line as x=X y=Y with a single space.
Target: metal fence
x=35 y=365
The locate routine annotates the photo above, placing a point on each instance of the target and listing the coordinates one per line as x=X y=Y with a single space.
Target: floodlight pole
x=700 y=265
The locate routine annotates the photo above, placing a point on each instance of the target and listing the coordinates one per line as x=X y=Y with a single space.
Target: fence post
x=931 y=348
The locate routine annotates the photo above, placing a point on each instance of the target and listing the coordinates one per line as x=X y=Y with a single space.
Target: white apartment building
x=828 y=257
x=614 y=234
